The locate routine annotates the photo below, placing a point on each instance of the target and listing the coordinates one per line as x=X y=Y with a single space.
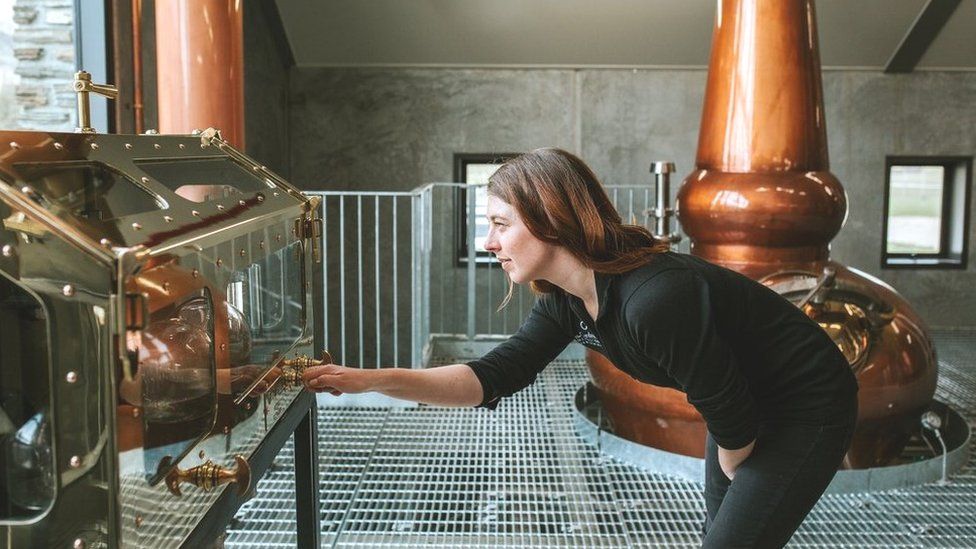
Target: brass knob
x=293 y=368
x=304 y=361
x=210 y=475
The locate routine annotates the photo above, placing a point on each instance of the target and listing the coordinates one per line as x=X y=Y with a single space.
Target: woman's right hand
x=335 y=379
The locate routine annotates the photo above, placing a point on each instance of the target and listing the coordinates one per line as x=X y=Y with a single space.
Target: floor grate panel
x=520 y=476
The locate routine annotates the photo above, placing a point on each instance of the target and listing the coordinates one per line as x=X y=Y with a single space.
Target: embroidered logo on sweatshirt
x=586 y=337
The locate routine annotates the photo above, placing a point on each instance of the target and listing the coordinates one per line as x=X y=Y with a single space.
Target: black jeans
x=777 y=485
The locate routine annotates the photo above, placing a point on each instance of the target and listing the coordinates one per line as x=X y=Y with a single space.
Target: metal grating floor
x=520 y=476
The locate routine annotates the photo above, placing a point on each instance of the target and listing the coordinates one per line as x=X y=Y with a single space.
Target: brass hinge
x=312 y=230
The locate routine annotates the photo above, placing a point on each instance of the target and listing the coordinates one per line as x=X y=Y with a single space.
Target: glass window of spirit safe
x=156 y=312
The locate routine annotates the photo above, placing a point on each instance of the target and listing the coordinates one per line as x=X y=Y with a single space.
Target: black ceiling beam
x=920 y=35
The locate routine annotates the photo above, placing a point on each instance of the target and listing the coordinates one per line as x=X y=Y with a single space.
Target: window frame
x=954 y=231
x=461 y=162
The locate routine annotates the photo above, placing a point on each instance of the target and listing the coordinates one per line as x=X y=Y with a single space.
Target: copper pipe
x=200 y=67
x=137 y=65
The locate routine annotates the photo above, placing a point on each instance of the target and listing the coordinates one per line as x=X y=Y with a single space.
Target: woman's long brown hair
x=562 y=202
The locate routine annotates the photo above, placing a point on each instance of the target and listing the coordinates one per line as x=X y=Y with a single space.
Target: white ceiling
x=589 y=33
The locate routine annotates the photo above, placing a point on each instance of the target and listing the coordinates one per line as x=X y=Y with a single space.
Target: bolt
x=94 y=146
x=78 y=543
x=75 y=462
x=8 y=250
x=58 y=146
x=128 y=146
x=68 y=290
x=137 y=226
x=71 y=377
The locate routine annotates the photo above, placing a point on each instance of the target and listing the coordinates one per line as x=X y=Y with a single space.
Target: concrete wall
x=398 y=128
x=265 y=92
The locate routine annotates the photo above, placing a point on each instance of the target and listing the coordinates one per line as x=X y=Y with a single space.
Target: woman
x=778 y=397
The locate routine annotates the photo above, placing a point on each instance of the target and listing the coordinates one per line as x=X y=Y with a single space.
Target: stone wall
x=45 y=52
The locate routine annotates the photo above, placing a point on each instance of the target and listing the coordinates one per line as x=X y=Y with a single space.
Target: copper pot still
x=762 y=201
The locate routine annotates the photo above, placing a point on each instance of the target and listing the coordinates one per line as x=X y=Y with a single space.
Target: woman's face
x=523 y=256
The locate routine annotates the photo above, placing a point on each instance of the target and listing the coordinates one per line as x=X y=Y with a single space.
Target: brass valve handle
x=83 y=86
x=210 y=475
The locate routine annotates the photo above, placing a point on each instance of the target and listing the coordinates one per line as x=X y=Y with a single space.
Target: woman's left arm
x=671 y=319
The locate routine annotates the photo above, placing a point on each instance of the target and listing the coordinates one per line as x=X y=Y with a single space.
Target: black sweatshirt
x=740 y=351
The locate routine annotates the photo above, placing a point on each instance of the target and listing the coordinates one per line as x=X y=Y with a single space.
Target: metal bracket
x=83 y=86
x=136 y=311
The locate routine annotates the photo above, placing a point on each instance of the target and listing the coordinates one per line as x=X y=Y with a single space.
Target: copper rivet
x=219 y=262
x=195 y=213
x=68 y=290
x=278 y=237
x=128 y=146
x=223 y=346
x=71 y=377
x=75 y=462
x=165 y=286
x=58 y=146
x=261 y=244
x=136 y=412
x=94 y=146
x=156 y=146
x=8 y=250
x=78 y=544
x=195 y=273
x=138 y=521
x=137 y=226
x=167 y=219
x=243 y=252
x=14 y=145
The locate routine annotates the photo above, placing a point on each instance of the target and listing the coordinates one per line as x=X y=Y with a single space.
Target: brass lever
x=210 y=475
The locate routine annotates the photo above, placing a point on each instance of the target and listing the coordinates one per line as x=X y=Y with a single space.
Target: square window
x=474 y=169
x=926 y=212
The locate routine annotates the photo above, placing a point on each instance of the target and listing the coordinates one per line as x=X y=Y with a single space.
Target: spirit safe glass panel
x=176 y=372
x=26 y=459
x=266 y=313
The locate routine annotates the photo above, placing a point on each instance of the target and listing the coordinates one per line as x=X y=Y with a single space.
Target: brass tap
x=210 y=475
x=83 y=86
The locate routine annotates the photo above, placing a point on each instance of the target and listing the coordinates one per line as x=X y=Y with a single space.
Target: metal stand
x=307 y=510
